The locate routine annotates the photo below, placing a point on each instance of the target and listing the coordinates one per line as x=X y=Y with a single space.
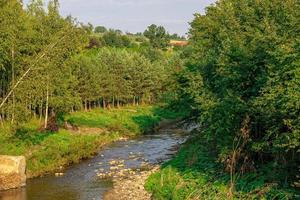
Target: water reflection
x=16 y=194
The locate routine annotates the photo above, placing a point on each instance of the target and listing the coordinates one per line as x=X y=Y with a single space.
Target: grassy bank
x=195 y=173
x=46 y=152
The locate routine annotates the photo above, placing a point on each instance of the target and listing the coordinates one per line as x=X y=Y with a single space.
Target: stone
x=12 y=172
x=131 y=188
x=59 y=174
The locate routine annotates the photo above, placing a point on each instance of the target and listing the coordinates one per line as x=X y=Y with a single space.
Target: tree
x=158 y=36
x=243 y=77
x=42 y=81
x=175 y=36
x=100 y=29
x=114 y=39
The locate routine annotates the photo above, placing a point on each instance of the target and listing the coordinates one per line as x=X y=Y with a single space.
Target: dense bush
x=243 y=78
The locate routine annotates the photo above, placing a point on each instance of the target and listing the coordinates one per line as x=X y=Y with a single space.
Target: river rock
x=131 y=188
x=12 y=172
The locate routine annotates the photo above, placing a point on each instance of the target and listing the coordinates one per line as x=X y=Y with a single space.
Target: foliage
x=46 y=152
x=34 y=50
x=175 y=36
x=158 y=36
x=195 y=173
x=109 y=77
x=242 y=83
x=115 y=39
x=51 y=65
x=100 y=29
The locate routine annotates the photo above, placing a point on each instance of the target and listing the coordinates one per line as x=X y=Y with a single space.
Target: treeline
x=109 y=77
x=49 y=66
x=153 y=37
x=34 y=47
x=243 y=81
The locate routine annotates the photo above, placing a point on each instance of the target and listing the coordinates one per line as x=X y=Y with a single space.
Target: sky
x=135 y=15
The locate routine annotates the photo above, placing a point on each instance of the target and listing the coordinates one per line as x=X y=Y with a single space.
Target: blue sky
x=135 y=15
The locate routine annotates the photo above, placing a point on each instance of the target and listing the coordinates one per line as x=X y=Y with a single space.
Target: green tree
x=243 y=77
x=158 y=36
x=100 y=29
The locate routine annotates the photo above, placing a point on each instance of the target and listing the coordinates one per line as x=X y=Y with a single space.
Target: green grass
x=45 y=151
x=195 y=174
x=132 y=120
x=63 y=149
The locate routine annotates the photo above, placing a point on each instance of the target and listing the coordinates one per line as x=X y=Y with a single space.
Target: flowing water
x=80 y=181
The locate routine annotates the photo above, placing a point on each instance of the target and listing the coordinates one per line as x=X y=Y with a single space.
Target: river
x=80 y=181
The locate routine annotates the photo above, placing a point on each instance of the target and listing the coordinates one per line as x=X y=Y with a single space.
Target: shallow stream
x=81 y=181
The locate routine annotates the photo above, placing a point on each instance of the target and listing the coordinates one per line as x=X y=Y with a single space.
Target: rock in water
x=12 y=172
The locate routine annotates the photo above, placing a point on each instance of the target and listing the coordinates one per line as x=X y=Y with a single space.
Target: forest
x=52 y=65
x=238 y=77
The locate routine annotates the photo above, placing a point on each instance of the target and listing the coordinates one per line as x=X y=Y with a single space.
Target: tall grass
x=195 y=173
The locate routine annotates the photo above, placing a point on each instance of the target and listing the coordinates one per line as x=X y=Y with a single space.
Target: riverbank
x=48 y=152
x=196 y=173
x=131 y=186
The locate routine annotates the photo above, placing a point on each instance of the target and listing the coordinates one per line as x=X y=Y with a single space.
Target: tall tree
x=158 y=36
x=243 y=77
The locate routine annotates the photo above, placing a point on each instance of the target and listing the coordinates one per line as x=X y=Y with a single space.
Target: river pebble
x=131 y=188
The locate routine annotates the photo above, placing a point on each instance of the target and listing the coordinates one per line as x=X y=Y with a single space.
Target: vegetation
x=127 y=120
x=35 y=47
x=55 y=70
x=239 y=76
x=158 y=36
x=100 y=29
x=51 y=66
x=117 y=77
x=196 y=173
x=242 y=82
x=48 y=151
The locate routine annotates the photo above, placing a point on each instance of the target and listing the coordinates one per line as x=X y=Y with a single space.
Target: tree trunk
x=104 y=103
x=41 y=111
x=118 y=103
x=90 y=105
x=13 y=83
x=134 y=100
x=34 y=110
x=47 y=107
x=1 y=120
x=85 y=105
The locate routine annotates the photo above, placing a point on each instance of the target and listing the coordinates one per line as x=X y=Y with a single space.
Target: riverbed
x=85 y=181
